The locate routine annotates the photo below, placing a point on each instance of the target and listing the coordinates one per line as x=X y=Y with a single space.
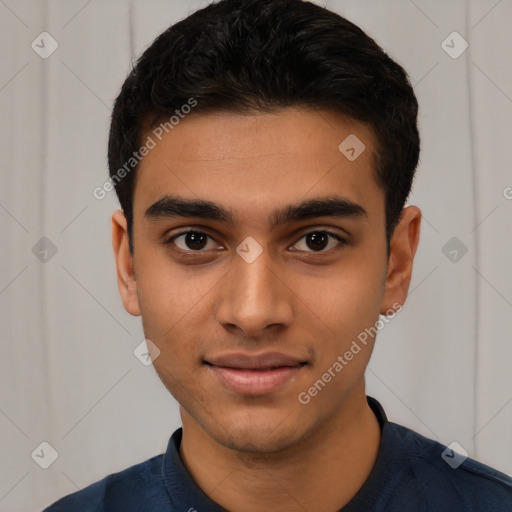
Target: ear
x=126 y=279
x=403 y=245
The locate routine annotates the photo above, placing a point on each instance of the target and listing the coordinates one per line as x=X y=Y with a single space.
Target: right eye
x=193 y=241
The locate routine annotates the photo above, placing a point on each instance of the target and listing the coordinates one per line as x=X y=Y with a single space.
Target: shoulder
x=453 y=477
x=128 y=489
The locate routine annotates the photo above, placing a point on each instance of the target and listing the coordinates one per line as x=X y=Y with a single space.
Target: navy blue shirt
x=412 y=473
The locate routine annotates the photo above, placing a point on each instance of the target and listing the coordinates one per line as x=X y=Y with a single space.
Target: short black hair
x=247 y=56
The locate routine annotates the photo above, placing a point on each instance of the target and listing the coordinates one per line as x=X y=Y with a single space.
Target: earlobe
x=126 y=280
x=404 y=243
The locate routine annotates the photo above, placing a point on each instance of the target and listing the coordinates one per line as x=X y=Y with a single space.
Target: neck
x=323 y=473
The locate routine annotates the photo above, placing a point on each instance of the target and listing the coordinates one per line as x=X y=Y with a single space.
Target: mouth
x=254 y=375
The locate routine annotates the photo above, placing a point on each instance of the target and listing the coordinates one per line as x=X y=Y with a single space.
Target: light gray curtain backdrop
x=68 y=373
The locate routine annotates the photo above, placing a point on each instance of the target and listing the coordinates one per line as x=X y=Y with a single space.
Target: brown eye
x=318 y=241
x=192 y=241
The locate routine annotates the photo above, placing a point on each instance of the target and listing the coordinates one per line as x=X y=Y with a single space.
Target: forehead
x=247 y=162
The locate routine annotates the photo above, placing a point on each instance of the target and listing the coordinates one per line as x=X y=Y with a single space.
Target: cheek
x=175 y=306
x=168 y=295
x=178 y=360
x=348 y=300
x=349 y=310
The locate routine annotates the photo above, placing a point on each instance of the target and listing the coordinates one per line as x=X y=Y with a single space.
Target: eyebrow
x=332 y=206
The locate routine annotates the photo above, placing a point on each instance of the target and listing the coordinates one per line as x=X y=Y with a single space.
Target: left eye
x=318 y=241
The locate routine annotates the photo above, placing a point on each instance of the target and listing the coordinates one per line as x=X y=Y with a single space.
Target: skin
x=268 y=452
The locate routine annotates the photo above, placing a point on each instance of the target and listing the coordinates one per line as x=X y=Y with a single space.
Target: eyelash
x=339 y=239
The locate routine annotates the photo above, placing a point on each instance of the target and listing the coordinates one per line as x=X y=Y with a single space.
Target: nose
x=255 y=298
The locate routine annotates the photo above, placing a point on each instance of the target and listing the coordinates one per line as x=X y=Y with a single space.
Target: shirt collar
x=185 y=494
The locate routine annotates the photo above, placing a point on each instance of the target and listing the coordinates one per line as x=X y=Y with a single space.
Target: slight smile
x=254 y=374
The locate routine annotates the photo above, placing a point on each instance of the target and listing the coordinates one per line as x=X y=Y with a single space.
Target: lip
x=254 y=374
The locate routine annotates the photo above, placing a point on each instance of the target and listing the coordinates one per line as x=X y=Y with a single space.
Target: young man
x=262 y=152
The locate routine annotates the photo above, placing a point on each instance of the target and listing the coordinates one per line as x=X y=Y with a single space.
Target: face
x=259 y=258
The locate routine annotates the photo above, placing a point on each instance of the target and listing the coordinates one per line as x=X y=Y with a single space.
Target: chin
x=254 y=443
x=258 y=433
